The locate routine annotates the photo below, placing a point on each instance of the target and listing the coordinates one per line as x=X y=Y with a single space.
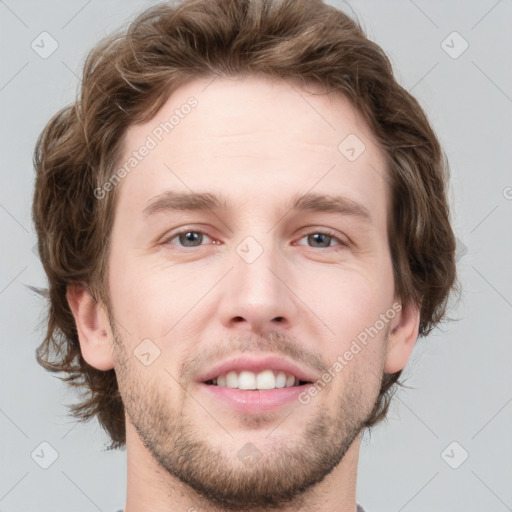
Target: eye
x=190 y=238
x=187 y=238
x=323 y=239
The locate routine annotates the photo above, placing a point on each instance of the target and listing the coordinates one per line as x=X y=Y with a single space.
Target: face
x=249 y=250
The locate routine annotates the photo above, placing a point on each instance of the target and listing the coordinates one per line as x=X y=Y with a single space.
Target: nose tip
x=255 y=297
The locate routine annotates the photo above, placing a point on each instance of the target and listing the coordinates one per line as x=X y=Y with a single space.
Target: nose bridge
x=255 y=265
x=255 y=290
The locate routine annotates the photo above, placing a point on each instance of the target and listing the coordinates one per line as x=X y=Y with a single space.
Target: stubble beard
x=282 y=476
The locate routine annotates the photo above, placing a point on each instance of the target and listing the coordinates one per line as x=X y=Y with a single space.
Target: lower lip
x=255 y=401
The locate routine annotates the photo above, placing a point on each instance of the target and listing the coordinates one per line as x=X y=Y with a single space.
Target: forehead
x=254 y=139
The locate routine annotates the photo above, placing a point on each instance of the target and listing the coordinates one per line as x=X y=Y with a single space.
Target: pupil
x=319 y=237
x=191 y=236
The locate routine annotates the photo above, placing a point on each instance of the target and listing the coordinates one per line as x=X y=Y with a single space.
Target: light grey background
x=460 y=375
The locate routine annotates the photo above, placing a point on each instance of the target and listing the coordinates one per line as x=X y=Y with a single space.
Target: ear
x=93 y=327
x=402 y=338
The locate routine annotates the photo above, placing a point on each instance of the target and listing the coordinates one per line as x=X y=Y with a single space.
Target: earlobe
x=94 y=333
x=402 y=338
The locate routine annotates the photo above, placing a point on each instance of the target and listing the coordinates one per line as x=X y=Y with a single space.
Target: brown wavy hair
x=128 y=76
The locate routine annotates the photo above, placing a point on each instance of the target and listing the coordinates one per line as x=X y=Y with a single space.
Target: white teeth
x=281 y=380
x=267 y=379
x=246 y=380
x=231 y=380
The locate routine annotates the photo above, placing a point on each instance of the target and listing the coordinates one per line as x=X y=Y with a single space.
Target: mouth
x=257 y=372
x=257 y=381
x=254 y=385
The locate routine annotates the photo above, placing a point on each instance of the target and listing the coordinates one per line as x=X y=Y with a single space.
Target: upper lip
x=256 y=365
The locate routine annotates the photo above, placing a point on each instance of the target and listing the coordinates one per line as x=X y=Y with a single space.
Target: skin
x=257 y=141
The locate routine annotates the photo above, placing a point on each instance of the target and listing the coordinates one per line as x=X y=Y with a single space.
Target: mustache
x=276 y=343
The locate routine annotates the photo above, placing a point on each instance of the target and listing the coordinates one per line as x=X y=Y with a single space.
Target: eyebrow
x=194 y=201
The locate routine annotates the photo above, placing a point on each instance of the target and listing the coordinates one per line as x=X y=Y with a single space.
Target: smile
x=248 y=380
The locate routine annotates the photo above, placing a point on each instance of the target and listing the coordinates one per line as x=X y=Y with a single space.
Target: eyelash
x=327 y=232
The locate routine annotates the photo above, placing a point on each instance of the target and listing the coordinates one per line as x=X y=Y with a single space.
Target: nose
x=256 y=296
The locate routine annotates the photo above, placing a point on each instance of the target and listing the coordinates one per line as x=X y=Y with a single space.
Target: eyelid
x=182 y=231
x=326 y=231
x=310 y=231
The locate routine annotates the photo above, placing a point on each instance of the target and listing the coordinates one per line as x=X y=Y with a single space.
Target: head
x=260 y=109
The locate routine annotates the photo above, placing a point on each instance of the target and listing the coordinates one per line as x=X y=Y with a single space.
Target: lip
x=256 y=365
x=254 y=401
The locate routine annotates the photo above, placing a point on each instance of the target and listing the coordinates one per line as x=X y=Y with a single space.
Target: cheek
x=348 y=298
x=136 y=299
x=149 y=300
x=350 y=303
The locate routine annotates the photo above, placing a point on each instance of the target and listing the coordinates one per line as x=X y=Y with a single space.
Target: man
x=244 y=224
